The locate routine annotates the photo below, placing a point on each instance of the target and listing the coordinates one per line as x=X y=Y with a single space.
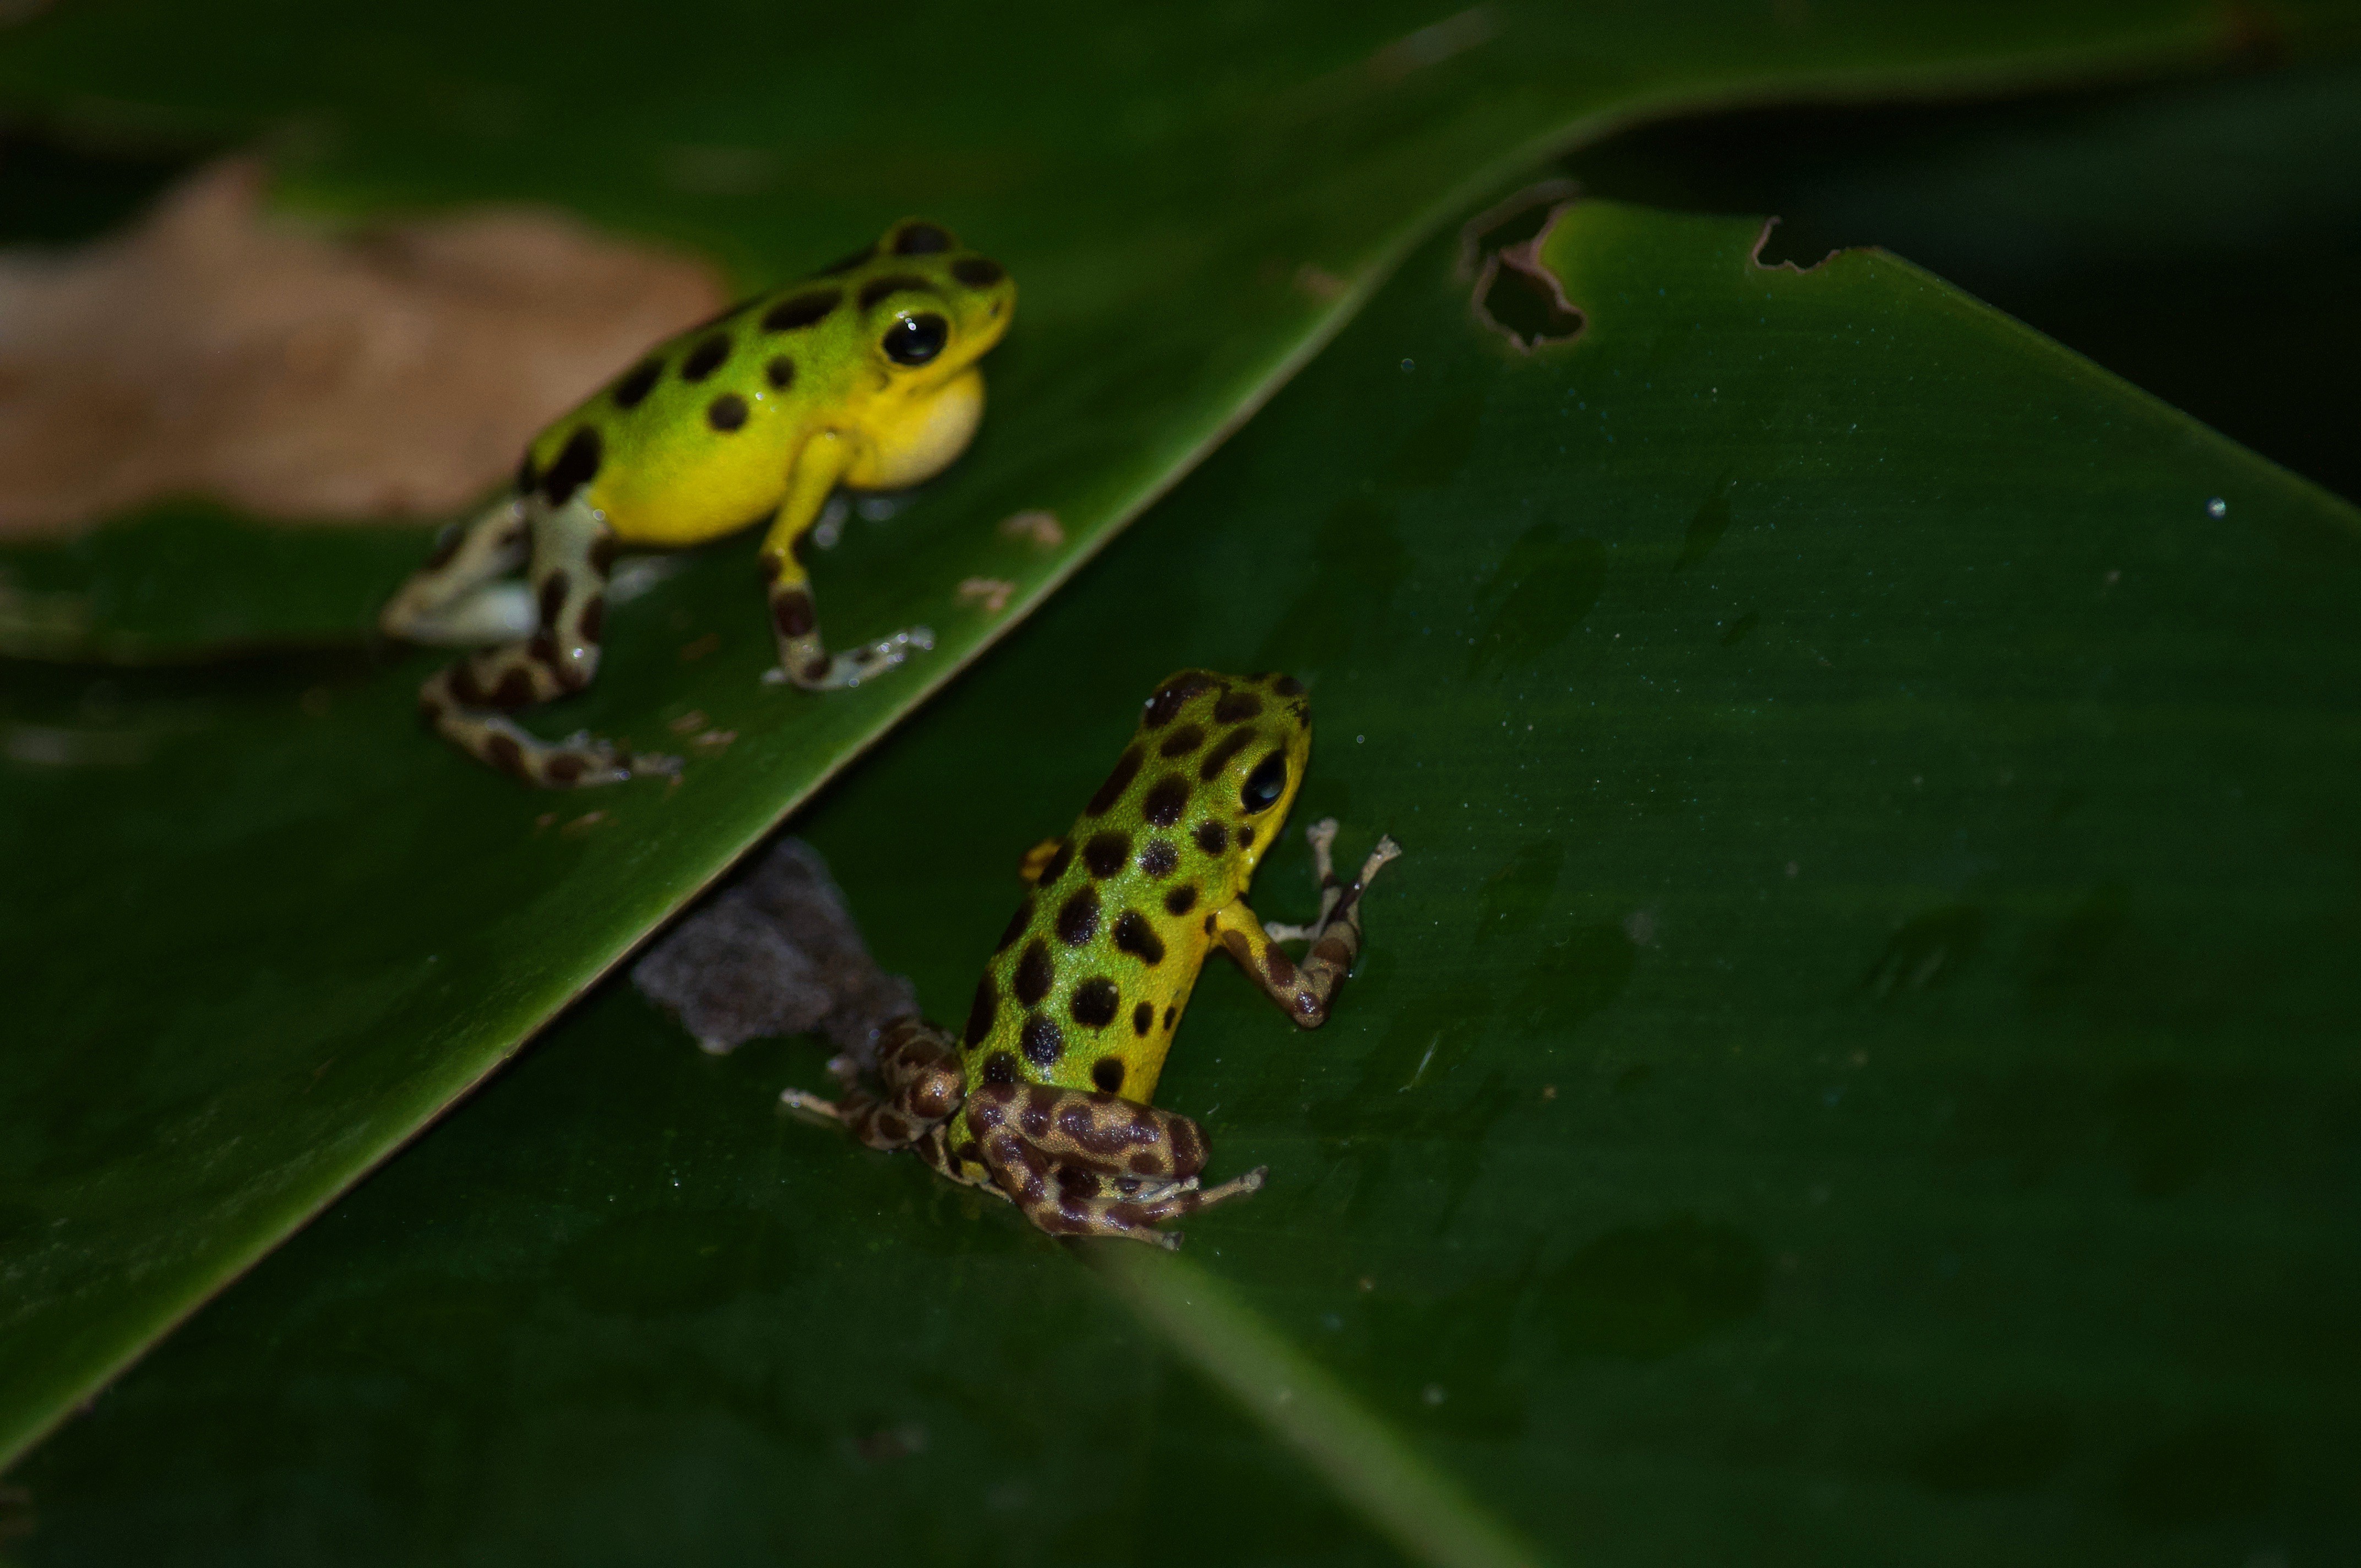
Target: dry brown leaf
x=221 y=350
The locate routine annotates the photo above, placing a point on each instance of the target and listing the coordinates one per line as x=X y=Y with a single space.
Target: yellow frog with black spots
x=862 y=375
x=1044 y=1097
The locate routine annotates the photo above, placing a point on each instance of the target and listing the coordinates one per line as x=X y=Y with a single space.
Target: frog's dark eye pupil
x=1263 y=784
x=915 y=340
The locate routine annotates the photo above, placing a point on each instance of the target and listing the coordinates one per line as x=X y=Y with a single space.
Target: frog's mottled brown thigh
x=1306 y=988
x=453 y=600
x=934 y=1148
x=1079 y=1162
x=919 y=1065
x=469 y=702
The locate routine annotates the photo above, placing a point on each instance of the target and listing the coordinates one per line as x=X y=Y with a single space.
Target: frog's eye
x=915 y=340
x=1264 y=785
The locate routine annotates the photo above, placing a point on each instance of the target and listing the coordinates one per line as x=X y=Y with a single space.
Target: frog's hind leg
x=1079 y=1162
x=924 y=1086
x=1306 y=988
x=455 y=600
x=469 y=702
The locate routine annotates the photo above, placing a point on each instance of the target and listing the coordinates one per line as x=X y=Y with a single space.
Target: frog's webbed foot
x=490 y=736
x=806 y=664
x=1082 y=1163
x=635 y=764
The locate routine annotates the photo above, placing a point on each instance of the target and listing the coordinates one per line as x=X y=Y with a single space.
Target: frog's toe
x=810 y=1104
x=1321 y=836
x=1138 y=1190
x=1237 y=1187
x=582 y=759
x=835 y=671
x=578 y=762
x=566 y=770
x=886 y=652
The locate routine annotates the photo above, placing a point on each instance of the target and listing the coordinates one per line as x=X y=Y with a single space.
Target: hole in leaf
x=1797 y=247
x=1527 y=309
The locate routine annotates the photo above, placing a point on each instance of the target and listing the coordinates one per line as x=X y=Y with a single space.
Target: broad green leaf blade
x=278 y=930
x=190 y=580
x=1189 y=202
x=1353 y=1449
x=1852 y=1066
x=698 y=1311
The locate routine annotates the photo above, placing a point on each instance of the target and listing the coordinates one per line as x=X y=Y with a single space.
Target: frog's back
x=1091 y=975
x=697 y=438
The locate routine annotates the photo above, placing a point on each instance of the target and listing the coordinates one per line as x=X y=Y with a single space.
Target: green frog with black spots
x=863 y=376
x=1043 y=1098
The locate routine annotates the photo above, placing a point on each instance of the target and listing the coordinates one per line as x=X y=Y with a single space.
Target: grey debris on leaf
x=776 y=951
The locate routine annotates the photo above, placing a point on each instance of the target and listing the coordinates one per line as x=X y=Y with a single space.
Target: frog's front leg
x=919 y=1065
x=469 y=702
x=803 y=660
x=456 y=600
x=1082 y=1163
x=1308 y=988
x=1322 y=837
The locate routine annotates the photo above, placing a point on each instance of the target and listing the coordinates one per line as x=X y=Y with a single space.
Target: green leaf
x=1190 y=203
x=1849 y=1068
x=274 y=930
x=184 y=581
